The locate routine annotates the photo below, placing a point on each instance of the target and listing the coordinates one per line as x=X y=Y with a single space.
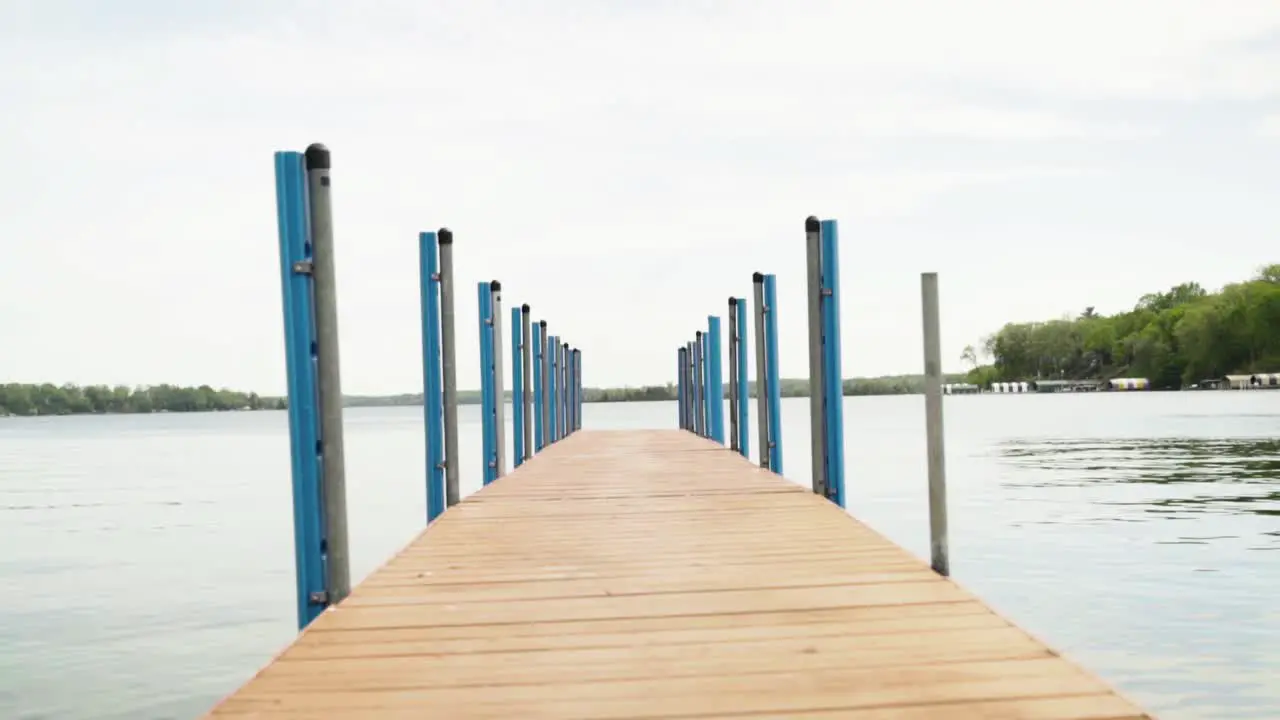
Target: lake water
x=146 y=563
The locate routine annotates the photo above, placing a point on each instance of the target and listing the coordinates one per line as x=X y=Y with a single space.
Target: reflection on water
x=146 y=561
x=1189 y=477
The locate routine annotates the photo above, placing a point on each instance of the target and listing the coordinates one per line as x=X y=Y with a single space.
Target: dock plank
x=654 y=574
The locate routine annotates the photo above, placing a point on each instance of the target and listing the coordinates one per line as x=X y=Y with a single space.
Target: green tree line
x=1173 y=338
x=68 y=399
x=788 y=387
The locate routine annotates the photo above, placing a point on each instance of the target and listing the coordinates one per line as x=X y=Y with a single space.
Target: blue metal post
x=538 y=373
x=544 y=411
x=432 y=392
x=772 y=379
x=488 y=431
x=744 y=415
x=526 y=375
x=292 y=216
x=517 y=386
x=715 y=380
x=833 y=382
x=553 y=343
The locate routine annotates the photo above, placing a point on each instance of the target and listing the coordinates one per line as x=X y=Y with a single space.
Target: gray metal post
x=560 y=391
x=695 y=387
x=559 y=398
x=526 y=373
x=681 y=389
x=691 y=408
x=557 y=379
x=577 y=377
x=680 y=386
x=499 y=388
x=573 y=389
x=762 y=391
x=449 y=368
x=564 y=390
x=700 y=386
x=733 y=373
x=575 y=361
x=333 y=458
x=817 y=433
x=933 y=424
x=548 y=432
x=690 y=387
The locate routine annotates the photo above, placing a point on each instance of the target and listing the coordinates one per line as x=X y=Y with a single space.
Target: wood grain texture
x=654 y=574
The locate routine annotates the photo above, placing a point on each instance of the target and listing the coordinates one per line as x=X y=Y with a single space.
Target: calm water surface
x=146 y=564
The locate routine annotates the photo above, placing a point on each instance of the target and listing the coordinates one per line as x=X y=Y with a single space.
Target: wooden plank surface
x=653 y=574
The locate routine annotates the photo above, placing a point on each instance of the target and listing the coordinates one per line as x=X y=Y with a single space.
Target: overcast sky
x=621 y=166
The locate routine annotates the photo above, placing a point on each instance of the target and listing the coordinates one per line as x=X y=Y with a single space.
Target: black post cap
x=733 y=302
x=698 y=334
x=317 y=156
x=812 y=224
x=444 y=236
x=525 y=308
x=566 y=346
x=757 y=277
x=542 y=324
x=495 y=286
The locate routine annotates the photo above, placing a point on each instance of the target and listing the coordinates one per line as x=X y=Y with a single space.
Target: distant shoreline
x=90 y=400
x=790 y=387
x=47 y=399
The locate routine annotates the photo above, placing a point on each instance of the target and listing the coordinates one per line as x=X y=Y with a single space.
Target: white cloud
x=1268 y=127
x=580 y=150
x=1158 y=48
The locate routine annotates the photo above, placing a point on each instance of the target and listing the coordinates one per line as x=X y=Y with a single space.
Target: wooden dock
x=655 y=574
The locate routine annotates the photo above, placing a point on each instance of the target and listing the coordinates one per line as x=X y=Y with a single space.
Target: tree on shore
x=69 y=399
x=1172 y=338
